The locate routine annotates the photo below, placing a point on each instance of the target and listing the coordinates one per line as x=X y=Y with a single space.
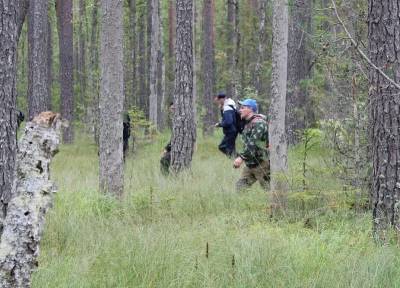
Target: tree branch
x=355 y=44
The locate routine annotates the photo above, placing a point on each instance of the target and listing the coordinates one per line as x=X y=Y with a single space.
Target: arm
x=227 y=119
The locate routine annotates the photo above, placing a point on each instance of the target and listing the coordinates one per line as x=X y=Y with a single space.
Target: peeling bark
x=33 y=197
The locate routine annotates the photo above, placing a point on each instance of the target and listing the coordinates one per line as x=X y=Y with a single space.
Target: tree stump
x=32 y=196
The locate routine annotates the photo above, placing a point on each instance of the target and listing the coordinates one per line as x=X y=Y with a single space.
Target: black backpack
x=239 y=122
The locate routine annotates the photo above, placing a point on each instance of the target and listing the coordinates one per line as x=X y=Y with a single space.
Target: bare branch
x=356 y=46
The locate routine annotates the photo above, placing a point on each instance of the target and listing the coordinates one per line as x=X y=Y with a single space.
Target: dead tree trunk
x=184 y=125
x=32 y=198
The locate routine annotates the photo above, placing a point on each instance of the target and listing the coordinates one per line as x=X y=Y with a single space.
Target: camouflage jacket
x=255 y=139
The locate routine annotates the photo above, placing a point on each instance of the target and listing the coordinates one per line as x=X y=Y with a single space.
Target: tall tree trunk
x=49 y=62
x=65 y=35
x=232 y=52
x=155 y=65
x=260 y=47
x=383 y=31
x=38 y=82
x=132 y=37
x=160 y=74
x=111 y=97
x=82 y=53
x=13 y=15
x=184 y=123
x=208 y=67
x=141 y=67
x=171 y=48
x=299 y=63
x=277 y=133
x=94 y=71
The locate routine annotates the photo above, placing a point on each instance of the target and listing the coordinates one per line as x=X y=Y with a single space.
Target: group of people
x=253 y=128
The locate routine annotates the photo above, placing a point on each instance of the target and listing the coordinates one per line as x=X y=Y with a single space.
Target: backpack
x=239 y=122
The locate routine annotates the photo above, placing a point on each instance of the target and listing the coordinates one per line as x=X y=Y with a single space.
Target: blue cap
x=250 y=103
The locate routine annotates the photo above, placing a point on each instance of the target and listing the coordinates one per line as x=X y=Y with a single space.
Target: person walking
x=255 y=154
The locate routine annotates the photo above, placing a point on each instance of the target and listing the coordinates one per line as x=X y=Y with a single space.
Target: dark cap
x=221 y=95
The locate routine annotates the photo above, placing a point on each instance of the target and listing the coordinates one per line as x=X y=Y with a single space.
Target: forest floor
x=196 y=231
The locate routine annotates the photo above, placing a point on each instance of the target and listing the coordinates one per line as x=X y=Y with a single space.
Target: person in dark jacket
x=126 y=133
x=228 y=124
x=165 y=160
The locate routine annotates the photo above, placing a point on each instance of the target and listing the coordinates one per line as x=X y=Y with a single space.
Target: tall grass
x=157 y=236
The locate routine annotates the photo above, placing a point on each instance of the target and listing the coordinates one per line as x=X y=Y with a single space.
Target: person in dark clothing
x=228 y=124
x=20 y=117
x=126 y=133
x=165 y=160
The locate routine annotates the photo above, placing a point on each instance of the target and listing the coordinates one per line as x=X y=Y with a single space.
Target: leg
x=230 y=144
x=223 y=145
x=263 y=174
x=165 y=162
x=246 y=179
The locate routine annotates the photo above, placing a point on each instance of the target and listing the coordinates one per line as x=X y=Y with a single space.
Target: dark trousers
x=165 y=163
x=227 y=145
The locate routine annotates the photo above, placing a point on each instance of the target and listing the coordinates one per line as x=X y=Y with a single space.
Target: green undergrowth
x=196 y=231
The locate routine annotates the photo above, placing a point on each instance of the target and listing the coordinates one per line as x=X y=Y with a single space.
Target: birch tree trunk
x=65 y=34
x=111 y=97
x=184 y=125
x=277 y=133
x=383 y=31
x=208 y=67
x=38 y=82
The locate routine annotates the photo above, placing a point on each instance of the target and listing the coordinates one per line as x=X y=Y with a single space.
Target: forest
x=132 y=132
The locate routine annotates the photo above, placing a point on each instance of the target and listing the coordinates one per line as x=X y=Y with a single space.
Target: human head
x=171 y=107
x=247 y=108
x=220 y=98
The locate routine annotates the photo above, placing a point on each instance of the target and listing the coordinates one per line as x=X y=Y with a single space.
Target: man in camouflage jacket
x=255 y=151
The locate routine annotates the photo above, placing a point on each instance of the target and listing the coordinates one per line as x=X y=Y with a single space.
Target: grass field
x=196 y=231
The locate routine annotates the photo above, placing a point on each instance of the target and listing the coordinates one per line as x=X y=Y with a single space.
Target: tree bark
x=38 y=82
x=232 y=51
x=49 y=63
x=155 y=64
x=65 y=35
x=141 y=68
x=82 y=53
x=133 y=76
x=299 y=62
x=111 y=97
x=208 y=67
x=277 y=135
x=171 y=48
x=13 y=14
x=184 y=125
x=94 y=71
x=383 y=31
x=33 y=197
x=260 y=47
